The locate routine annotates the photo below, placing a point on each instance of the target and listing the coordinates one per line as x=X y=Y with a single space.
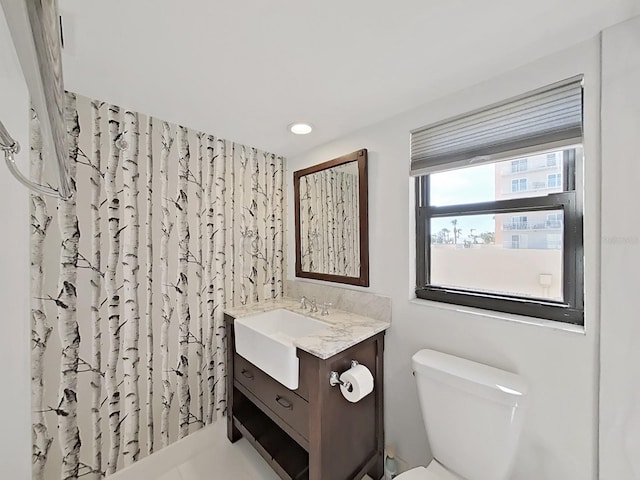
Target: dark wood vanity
x=311 y=433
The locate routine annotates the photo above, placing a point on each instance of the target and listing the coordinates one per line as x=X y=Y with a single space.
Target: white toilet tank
x=473 y=414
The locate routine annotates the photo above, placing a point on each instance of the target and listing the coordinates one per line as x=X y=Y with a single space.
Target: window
x=519 y=222
x=552 y=161
x=478 y=244
x=554 y=221
x=554 y=180
x=518 y=241
x=519 y=185
x=519 y=165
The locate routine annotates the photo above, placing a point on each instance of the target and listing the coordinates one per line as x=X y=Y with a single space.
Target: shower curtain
x=129 y=280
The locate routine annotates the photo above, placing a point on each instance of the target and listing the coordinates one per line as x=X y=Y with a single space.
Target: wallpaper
x=129 y=280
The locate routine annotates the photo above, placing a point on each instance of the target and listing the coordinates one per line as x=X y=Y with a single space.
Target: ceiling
x=244 y=70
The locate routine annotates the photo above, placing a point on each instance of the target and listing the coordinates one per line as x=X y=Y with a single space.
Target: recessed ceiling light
x=300 y=128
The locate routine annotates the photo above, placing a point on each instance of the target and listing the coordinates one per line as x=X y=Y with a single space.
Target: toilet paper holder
x=334 y=378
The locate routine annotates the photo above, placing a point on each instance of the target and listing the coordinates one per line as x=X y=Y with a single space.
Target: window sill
x=506 y=317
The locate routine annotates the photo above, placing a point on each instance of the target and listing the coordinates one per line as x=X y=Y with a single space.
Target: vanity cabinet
x=311 y=433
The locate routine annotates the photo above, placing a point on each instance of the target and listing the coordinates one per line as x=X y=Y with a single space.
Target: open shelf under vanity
x=284 y=454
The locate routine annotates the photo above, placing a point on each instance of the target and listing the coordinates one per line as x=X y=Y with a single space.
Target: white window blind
x=551 y=116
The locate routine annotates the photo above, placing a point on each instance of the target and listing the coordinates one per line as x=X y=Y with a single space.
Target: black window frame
x=571 y=310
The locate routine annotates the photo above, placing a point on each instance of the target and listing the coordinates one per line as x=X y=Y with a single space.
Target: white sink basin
x=266 y=340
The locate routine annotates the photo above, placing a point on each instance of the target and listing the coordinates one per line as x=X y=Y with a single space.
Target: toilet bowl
x=473 y=415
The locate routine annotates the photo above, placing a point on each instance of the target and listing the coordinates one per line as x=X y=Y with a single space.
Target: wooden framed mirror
x=331 y=220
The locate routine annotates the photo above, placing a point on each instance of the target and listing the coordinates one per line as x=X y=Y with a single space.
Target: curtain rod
x=35 y=30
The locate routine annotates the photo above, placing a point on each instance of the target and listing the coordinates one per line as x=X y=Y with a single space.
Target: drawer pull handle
x=284 y=402
x=247 y=374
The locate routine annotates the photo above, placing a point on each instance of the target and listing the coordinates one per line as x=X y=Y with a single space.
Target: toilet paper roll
x=360 y=383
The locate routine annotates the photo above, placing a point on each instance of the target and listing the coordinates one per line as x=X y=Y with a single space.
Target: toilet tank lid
x=459 y=370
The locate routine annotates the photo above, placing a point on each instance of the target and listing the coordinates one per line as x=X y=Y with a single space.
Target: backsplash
x=366 y=304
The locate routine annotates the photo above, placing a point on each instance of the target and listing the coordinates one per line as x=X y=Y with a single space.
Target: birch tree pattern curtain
x=129 y=280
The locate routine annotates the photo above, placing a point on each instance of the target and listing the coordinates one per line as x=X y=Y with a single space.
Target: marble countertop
x=345 y=328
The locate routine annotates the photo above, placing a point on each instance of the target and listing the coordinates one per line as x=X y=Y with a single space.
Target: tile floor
x=225 y=461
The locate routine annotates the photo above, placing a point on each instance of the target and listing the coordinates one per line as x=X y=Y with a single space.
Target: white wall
x=620 y=340
x=560 y=440
x=15 y=434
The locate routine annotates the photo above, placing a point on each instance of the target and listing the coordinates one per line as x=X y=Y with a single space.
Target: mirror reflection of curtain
x=329 y=226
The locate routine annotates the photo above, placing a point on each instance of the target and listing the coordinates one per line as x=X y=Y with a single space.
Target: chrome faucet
x=325 y=308
x=314 y=306
x=303 y=303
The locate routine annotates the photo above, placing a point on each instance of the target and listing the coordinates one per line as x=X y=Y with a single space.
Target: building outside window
x=519 y=222
x=554 y=180
x=519 y=185
x=471 y=219
x=554 y=221
x=519 y=165
x=518 y=241
x=554 y=241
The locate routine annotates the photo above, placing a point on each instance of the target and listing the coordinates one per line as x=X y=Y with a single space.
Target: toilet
x=473 y=416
